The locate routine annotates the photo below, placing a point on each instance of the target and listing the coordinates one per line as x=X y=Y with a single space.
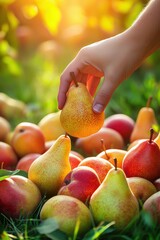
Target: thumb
x=103 y=96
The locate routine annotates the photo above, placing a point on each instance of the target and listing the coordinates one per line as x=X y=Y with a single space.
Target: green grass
x=32 y=228
x=35 y=80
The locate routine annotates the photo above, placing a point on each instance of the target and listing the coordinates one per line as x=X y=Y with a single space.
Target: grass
x=32 y=228
x=35 y=81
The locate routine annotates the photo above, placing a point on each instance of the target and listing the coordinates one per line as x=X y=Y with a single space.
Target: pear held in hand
x=77 y=116
x=113 y=200
x=49 y=170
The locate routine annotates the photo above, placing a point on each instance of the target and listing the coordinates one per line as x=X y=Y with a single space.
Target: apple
x=157 y=184
x=111 y=154
x=141 y=188
x=152 y=206
x=19 y=196
x=77 y=154
x=91 y=145
x=27 y=138
x=8 y=158
x=122 y=123
x=68 y=212
x=5 y=128
x=25 y=162
x=100 y=165
x=74 y=160
x=80 y=183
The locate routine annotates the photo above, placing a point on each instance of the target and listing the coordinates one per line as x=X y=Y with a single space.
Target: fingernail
x=98 y=108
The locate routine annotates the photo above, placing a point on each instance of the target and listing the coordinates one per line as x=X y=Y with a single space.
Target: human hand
x=111 y=58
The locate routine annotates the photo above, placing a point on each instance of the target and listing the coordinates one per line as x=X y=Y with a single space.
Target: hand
x=112 y=59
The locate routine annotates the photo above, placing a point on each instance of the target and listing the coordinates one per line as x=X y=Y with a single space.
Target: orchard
x=72 y=174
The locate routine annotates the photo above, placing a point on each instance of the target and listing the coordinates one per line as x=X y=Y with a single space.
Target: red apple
x=80 y=183
x=157 y=184
x=69 y=213
x=27 y=138
x=19 y=196
x=100 y=165
x=122 y=123
x=74 y=160
x=8 y=158
x=92 y=145
x=152 y=206
x=25 y=162
x=141 y=188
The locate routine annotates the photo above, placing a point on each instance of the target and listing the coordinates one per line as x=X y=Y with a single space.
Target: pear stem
x=115 y=163
x=104 y=149
x=151 y=135
x=66 y=135
x=74 y=78
x=149 y=101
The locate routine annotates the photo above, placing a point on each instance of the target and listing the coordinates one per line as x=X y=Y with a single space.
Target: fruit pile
x=107 y=176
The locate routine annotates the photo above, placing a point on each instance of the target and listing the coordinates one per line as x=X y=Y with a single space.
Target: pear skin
x=114 y=201
x=49 y=170
x=146 y=119
x=77 y=116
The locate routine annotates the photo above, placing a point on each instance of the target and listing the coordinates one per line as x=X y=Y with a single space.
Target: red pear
x=143 y=160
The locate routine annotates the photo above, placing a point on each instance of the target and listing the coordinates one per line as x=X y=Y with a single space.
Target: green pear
x=49 y=169
x=77 y=117
x=113 y=200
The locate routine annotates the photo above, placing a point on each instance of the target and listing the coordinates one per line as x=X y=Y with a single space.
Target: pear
x=49 y=169
x=77 y=116
x=146 y=119
x=50 y=126
x=113 y=200
x=143 y=160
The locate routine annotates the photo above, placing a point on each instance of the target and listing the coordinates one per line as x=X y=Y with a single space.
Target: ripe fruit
x=51 y=127
x=5 y=128
x=49 y=170
x=68 y=212
x=80 y=183
x=100 y=165
x=152 y=206
x=113 y=200
x=141 y=188
x=77 y=116
x=8 y=158
x=143 y=160
x=18 y=196
x=27 y=138
x=122 y=124
x=91 y=145
x=25 y=162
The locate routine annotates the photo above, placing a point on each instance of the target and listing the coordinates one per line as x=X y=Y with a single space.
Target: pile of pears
x=113 y=201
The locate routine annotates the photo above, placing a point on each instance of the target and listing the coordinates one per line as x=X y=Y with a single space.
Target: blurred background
x=39 y=38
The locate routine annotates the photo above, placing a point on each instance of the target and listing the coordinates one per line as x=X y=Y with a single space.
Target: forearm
x=146 y=29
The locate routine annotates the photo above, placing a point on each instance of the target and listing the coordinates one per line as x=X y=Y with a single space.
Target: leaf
x=7 y=173
x=47 y=226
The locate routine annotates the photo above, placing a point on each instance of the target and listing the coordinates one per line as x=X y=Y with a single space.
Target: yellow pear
x=113 y=200
x=51 y=127
x=77 y=116
x=49 y=169
x=146 y=119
